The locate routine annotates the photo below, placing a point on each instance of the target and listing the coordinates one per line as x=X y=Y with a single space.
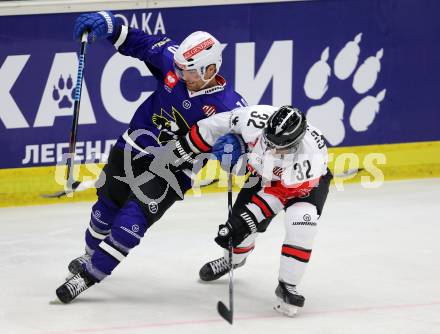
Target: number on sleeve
x=257 y=119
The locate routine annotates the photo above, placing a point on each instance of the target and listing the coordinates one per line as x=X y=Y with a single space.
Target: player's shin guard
x=101 y=220
x=242 y=251
x=301 y=227
x=128 y=229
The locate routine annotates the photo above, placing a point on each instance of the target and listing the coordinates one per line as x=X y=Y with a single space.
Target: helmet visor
x=280 y=148
x=186 y=75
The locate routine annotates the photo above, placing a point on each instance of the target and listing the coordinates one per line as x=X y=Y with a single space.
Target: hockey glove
x=99 y=25
x=228 y=149
x=181 y=157
x=237 y=228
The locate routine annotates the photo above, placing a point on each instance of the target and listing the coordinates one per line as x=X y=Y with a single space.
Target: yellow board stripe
x=23 y=186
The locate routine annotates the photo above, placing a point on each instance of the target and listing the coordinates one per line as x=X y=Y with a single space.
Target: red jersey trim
x=242 y=250
x=302 y=255
x=284 y=193
x=264 y=207
x=196 y=138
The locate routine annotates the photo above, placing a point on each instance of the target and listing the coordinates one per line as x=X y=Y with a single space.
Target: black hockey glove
x=181 y=157
x=238 y=228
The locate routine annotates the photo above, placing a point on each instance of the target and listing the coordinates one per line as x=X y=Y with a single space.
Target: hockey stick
x=348 y=173
x=78 y=186
x=74 y=130
x=228 y=314
x=71 y=183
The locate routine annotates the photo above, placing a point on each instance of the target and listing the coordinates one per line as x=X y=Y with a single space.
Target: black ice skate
x=74 y=286
x=215 y=269
x=288 y=300
x=75 y=266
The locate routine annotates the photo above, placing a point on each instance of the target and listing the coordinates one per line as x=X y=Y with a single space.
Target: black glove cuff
x=183 y=156
x=184 y=151
x=245 y=218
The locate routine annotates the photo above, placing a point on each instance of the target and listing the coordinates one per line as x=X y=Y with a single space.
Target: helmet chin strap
x=202 y=76
x=205 y=83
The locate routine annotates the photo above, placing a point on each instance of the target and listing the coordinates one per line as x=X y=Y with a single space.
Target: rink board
x=386 y=93
x=386 y=102
x=23 y=186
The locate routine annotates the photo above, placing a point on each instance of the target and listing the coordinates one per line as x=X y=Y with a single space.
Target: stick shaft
x=231 y=271
x=76 y=107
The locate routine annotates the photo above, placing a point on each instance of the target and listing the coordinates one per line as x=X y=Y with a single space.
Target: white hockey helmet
x=197 y=52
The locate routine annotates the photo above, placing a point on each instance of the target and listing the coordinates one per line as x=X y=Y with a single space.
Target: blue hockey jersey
x=172 y=109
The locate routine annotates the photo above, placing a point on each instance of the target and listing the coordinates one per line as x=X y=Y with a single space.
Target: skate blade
x=285 y=309
x=55 y=301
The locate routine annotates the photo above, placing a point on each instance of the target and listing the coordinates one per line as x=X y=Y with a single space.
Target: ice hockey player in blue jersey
x=189 y=89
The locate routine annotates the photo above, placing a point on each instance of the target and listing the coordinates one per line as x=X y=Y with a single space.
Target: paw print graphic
x=329 y=116
x=66 y=90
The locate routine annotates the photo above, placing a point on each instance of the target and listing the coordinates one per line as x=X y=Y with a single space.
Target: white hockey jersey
x=287 y=175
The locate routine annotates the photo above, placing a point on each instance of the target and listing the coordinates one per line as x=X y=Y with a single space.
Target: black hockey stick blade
x=224 y=312
x=350 y=172
x=62 y=193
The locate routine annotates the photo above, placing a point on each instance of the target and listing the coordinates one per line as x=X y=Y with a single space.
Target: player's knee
x=301 y=221
x=103 y=215
x=153 y=210
x=130 y=225
x=302 y=212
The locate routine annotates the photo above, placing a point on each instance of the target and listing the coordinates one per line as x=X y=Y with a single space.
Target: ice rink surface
x=375 y=268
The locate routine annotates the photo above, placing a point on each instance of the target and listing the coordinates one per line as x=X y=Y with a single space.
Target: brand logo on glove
x=223 y=232
x=307 y=217
x=135 y=228
x=153 y=207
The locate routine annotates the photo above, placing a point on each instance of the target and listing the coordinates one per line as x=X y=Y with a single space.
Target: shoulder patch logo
x=278 y=171
x=170 y=81
x=209 y=110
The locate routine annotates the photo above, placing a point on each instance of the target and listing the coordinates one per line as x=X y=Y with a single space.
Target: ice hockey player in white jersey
x=287 y=159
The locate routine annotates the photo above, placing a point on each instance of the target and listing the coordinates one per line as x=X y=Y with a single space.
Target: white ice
x=375 y=268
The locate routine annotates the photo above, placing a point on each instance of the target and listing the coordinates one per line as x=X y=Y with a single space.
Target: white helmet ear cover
x=198 y=51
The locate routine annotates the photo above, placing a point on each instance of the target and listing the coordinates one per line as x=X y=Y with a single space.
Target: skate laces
x=76 y=285
x=219 y=265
